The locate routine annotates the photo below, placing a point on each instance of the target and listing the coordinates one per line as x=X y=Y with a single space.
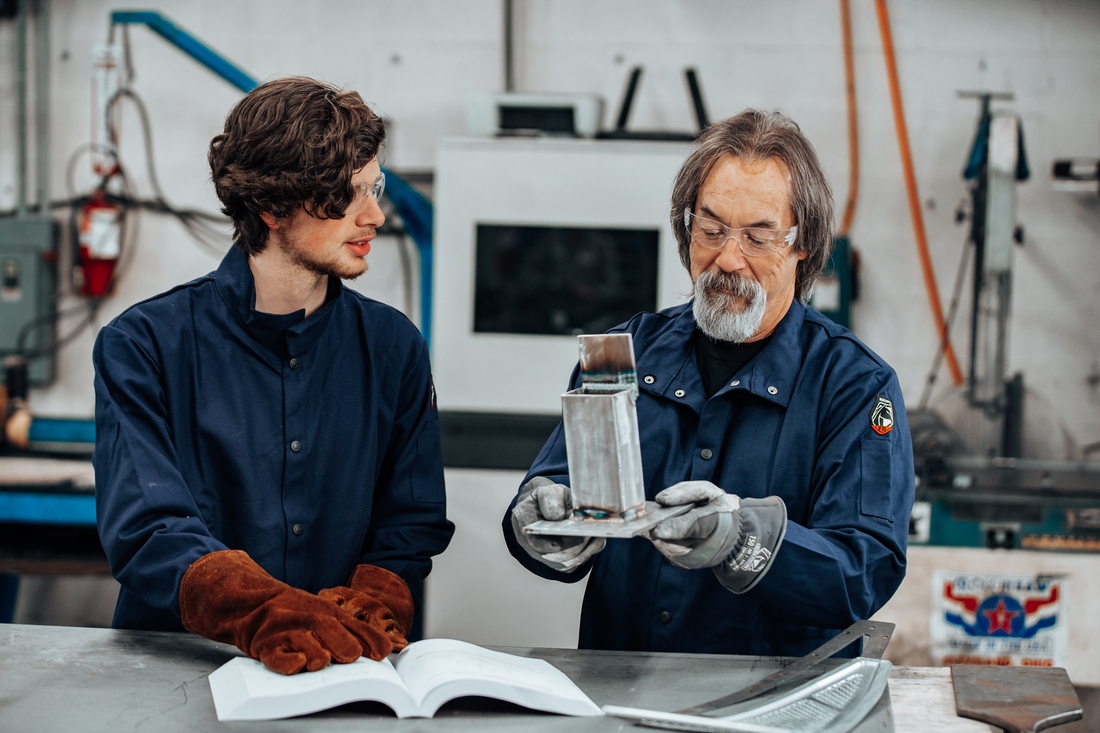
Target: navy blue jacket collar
x=671 y=361
x=282 y=334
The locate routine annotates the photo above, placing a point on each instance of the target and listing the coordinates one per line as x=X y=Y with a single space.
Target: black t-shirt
x=719 y=361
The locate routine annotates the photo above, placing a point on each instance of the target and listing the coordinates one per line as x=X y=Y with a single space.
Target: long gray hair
x=757 y=135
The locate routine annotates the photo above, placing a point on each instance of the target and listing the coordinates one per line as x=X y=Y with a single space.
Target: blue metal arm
x=414 y=209
x=190 y=45
x=416 y=212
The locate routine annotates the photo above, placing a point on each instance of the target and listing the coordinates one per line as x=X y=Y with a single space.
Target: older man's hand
x=542 y=499
x=736 y=537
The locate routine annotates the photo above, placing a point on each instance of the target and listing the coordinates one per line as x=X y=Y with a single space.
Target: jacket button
x=772 y=390
x=705 y=454
x=735 y=382
x=296 y=446
x=649 y=379
x=297 y=529
x=293 y=364
x=680 y=393
x=665 y=617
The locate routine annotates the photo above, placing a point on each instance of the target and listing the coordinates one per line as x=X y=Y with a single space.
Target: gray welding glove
x=541 y=499
x=736 y=537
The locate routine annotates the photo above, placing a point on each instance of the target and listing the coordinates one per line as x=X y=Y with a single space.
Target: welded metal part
x=605 y=454
x=1017 y=699
x=876 y=633
x=607 y=363
x=654 y=514
x=835 y=702
x=602 y=442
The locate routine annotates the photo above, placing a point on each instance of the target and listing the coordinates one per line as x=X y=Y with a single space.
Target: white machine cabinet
x=521 y=187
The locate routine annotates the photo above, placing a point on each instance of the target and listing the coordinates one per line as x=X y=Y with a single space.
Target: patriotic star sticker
x=1000 y=619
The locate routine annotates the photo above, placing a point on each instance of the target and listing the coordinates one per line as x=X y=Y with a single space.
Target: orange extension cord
x=853 y=123
x=914 y=198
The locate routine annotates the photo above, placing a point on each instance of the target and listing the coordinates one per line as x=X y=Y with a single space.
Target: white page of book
x=243 y=689
x=438 y=670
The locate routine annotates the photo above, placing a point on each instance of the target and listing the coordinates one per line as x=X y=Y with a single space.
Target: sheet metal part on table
x=837 y=701
x=833 y=702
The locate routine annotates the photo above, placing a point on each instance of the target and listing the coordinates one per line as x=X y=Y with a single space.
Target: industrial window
x=562 y=280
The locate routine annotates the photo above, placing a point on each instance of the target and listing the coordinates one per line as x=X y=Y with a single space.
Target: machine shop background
x=418 y=63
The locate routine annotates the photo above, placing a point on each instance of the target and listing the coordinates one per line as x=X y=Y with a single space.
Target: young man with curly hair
x=267 y=460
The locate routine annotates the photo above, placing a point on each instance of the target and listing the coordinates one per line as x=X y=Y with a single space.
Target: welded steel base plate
x=610 y=528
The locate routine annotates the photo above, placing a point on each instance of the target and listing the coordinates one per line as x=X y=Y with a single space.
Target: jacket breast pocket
x=876 y=496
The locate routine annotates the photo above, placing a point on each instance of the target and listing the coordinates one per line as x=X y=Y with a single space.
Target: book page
x=244 y=689
x=438 y=670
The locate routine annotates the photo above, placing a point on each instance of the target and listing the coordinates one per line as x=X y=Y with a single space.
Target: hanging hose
x=853 y=125
x=914 y=198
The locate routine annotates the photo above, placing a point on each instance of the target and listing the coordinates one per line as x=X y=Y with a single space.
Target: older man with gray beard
x=786 y=434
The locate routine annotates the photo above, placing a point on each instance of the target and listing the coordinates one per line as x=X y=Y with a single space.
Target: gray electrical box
x=28 y=281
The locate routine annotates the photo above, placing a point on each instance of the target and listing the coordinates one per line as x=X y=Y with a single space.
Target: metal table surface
x=60 y=678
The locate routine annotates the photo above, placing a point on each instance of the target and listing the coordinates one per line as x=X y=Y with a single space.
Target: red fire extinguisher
x=100 y=244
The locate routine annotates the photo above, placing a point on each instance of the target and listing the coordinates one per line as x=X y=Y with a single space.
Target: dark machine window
x=562 y=280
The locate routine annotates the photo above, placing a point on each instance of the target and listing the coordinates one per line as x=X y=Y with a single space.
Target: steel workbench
x=56 y=678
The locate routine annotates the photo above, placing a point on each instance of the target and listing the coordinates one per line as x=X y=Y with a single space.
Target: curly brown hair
x=754 y=134
x=291 y=142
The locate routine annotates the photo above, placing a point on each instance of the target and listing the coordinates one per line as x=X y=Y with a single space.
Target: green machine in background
x=28 y=281
x=837 y=286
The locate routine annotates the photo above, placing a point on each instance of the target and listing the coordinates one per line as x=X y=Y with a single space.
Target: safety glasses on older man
x=753 y=241
x=362 y=190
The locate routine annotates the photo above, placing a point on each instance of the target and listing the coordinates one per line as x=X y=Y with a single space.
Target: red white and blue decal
x=999 y=619
x=1001 y=614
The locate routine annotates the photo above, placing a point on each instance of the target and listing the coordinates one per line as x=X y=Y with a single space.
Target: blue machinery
x=414 y=209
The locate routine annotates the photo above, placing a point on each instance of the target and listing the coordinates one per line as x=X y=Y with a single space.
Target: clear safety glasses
x=362 y=190
x=753 y=241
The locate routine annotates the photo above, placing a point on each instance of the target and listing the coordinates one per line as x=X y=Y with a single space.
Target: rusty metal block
x=1017 y=699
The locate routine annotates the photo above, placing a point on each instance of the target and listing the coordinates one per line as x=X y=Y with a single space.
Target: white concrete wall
x=414 y=60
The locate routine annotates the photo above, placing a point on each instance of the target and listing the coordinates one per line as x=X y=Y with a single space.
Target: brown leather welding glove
x=227 y=597
x=377 y=597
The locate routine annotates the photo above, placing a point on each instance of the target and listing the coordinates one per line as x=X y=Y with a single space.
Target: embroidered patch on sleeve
x=882 y=416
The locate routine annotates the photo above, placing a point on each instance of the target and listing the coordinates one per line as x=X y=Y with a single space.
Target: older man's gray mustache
x=728 y=306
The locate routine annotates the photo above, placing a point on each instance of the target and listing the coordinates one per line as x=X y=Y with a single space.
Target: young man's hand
x=227 y=597
x=379 y=598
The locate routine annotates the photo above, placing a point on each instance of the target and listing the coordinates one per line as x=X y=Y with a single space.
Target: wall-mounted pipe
x=42 y=103
x=21 y=107
x=508 y=32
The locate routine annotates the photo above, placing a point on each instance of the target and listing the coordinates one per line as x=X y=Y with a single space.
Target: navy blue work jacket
x=311 y=444
x=795 y=422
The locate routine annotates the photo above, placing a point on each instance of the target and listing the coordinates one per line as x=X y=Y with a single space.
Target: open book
x=424 y=676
